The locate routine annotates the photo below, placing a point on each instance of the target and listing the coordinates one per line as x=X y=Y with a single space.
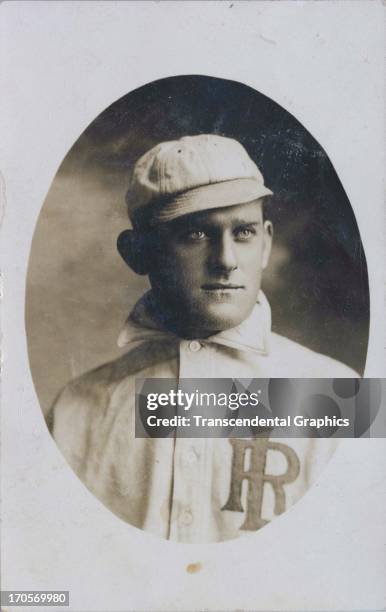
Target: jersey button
x=186 y=517
x=194 y=346
x=191 y=457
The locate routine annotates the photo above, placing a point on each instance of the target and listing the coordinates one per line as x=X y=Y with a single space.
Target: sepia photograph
x=192 y=306
x=194 y=230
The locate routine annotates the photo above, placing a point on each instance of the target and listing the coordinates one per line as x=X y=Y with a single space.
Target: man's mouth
x=221 y=286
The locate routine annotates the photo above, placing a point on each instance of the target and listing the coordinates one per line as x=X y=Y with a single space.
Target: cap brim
x=207 y=197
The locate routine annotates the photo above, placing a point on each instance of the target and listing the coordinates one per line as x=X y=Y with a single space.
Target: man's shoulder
x=300 y=361
x=99 y=380
x=86 y=404
x=93 y=390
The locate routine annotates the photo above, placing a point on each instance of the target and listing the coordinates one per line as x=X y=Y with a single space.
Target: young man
x=199 y=232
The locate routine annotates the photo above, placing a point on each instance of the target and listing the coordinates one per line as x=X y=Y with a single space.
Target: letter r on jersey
x=256 y=478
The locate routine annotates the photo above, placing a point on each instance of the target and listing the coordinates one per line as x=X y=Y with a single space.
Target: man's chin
x=221 y=318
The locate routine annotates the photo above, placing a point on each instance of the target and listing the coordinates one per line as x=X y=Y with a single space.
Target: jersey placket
x=192 y=462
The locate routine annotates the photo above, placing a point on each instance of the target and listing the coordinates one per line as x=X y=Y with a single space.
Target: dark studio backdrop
x=79 y=291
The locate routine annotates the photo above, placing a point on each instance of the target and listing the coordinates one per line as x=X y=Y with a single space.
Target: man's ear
x=132 y=248
x=267 y=242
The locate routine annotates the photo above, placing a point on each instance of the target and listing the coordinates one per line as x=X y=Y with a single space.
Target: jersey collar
x=251 y=335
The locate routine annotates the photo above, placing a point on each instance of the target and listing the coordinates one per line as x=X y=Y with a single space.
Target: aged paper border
x=62 y=64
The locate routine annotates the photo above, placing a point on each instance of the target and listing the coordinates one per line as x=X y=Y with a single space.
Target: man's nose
x=224 y=254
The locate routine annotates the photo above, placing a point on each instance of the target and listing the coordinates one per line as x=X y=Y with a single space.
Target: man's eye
x=244 y=233
x=196 y=235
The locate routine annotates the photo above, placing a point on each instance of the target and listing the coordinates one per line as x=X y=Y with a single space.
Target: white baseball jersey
x=189 y=490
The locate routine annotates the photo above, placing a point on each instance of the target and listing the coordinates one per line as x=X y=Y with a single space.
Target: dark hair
x=267 y=208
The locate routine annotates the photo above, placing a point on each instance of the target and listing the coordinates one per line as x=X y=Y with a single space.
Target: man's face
x=207 y=267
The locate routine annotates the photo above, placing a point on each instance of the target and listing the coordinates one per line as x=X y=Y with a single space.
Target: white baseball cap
x=195 y=173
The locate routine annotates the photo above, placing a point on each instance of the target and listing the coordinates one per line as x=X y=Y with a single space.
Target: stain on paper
x=193 y=568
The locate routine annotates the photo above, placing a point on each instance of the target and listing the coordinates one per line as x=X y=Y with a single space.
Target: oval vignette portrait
x=195 y=229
